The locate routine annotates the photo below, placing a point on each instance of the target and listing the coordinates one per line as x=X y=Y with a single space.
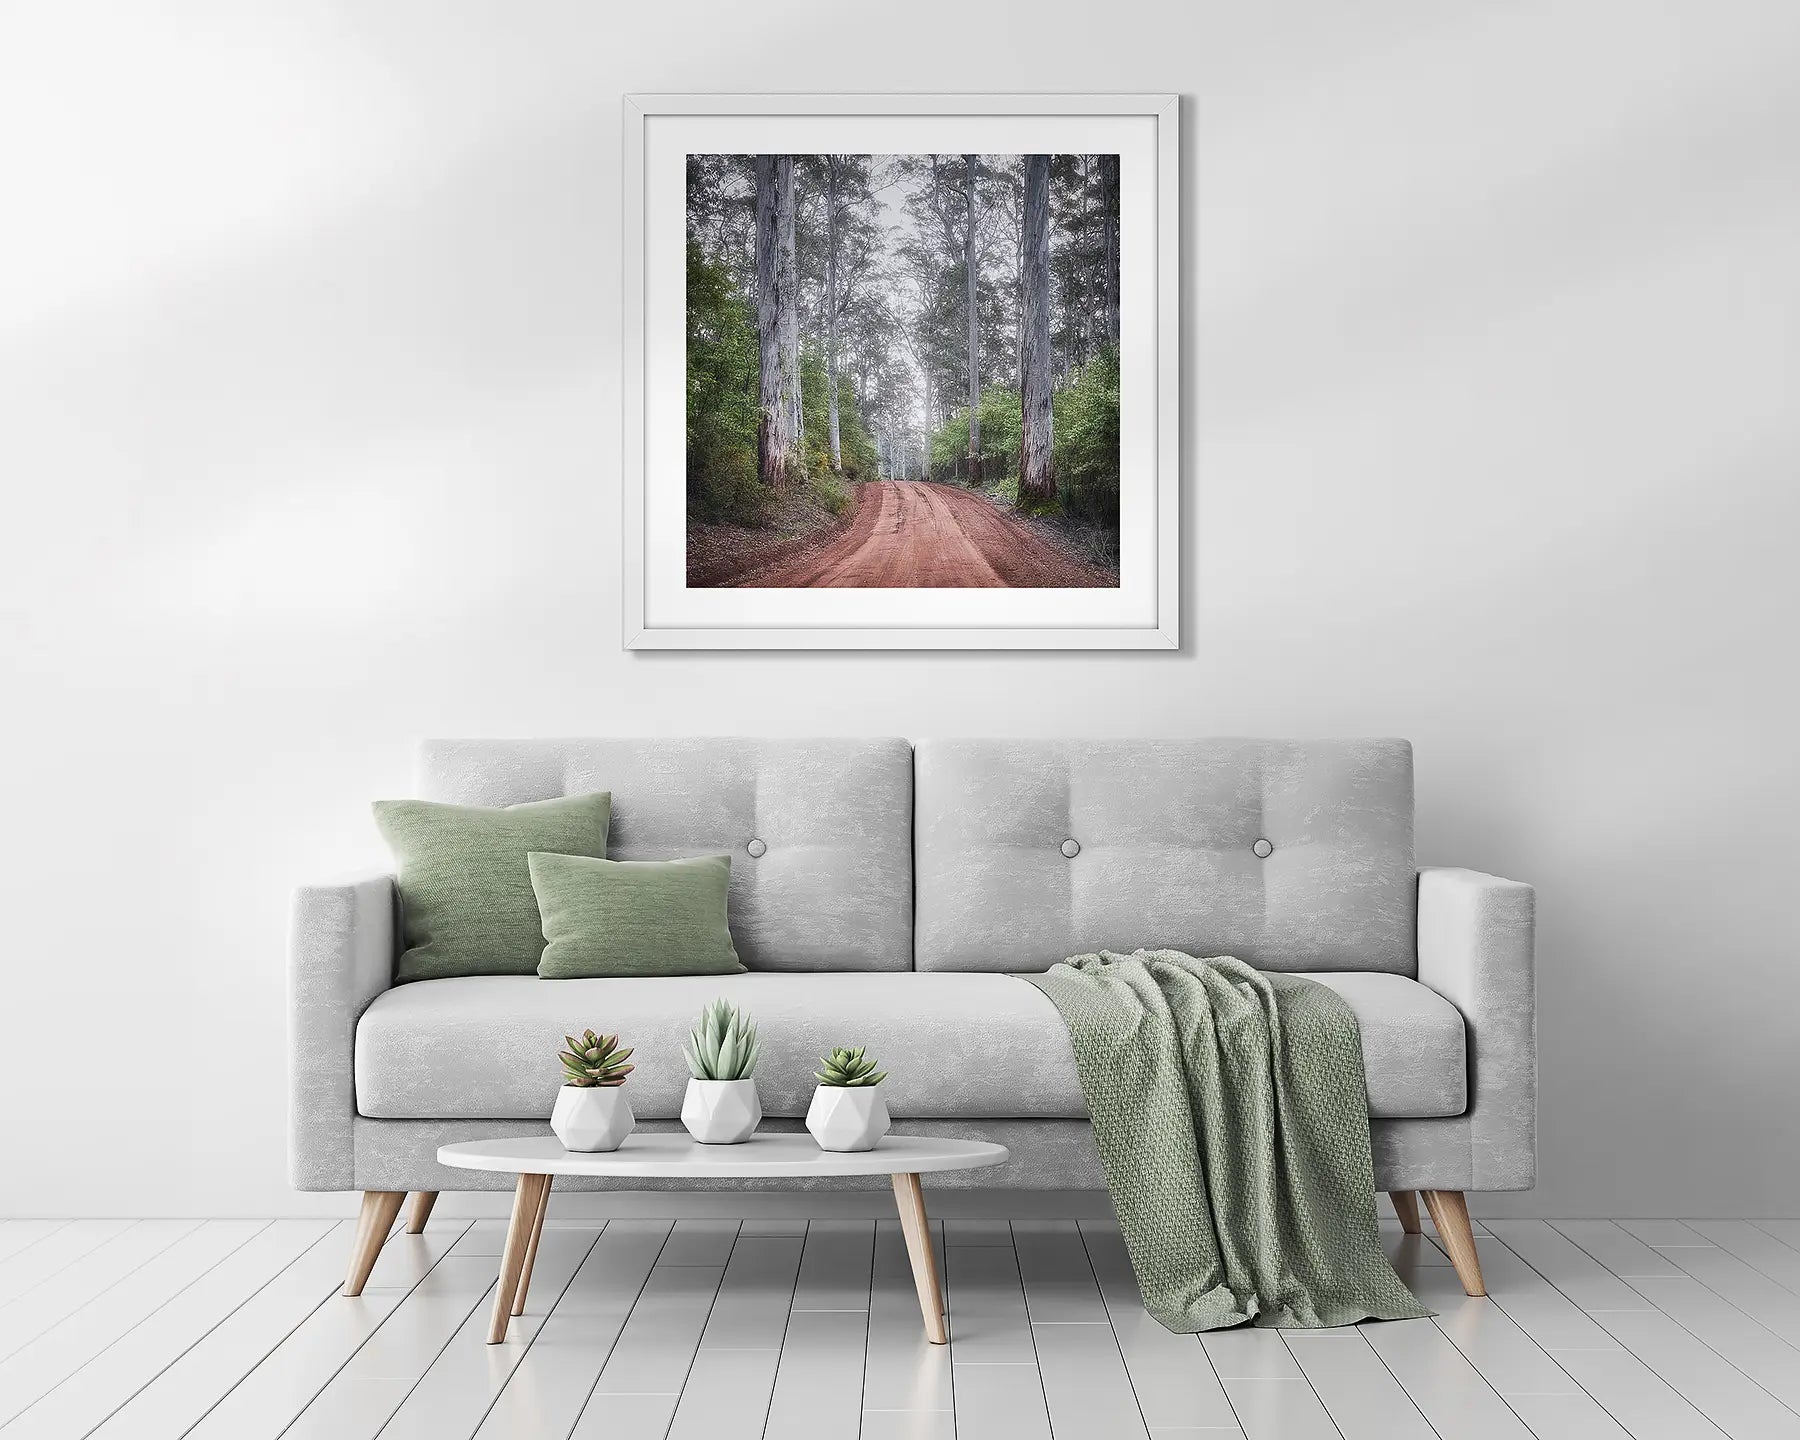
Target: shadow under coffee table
x=677 y=1157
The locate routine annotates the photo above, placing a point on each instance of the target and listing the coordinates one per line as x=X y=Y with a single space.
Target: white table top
x=675 y=1155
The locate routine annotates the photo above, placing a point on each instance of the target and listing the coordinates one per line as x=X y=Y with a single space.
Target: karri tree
x=776 y=320
x=1037 y=382
x=850 y=257
x=1109 y=211
x=790 y=314
x=971 y=276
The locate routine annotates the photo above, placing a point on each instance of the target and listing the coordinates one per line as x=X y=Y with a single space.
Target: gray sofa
x=881 y=891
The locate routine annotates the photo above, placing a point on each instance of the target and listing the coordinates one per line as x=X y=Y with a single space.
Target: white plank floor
x=647 y=1330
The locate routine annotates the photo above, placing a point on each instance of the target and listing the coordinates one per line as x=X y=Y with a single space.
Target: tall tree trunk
x=925 y=440
x=790 y=332
x=973 y=163
x=1019 y=286
x=831 y=308
x=1109 y=169
x=774 y=303
x=1037 y=479
x=788 y=314
x=1084 y=327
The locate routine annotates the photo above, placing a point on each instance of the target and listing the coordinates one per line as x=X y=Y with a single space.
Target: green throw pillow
x=465 y=892
x=633 y=917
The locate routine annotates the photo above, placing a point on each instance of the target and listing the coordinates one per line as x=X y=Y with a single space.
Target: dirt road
x=910 y=534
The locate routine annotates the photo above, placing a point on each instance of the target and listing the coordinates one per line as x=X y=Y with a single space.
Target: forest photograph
x=902 y=371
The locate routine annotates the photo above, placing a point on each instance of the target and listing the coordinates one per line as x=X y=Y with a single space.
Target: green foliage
x=848 y=1068
x=1001 y=423
x=1087 y=441
x=594 y=1061
x=858 y=446
x=854 y=442
x=723 y=1046
x=949 y=443
x=723 y=375
x=828 y=491
x=816 y=443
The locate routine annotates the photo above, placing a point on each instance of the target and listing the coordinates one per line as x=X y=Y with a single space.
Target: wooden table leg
x=518 y=1240
x=923 y=1254
x=537 y=1233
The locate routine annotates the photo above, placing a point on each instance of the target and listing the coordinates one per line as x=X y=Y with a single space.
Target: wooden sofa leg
x=1451 y=1216
x=379 y=1207
x=1406 y=1206
x=420 y=1211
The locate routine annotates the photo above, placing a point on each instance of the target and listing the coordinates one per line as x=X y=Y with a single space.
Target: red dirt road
x=908 y=534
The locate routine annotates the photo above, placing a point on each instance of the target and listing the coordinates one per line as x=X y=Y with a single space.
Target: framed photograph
x=901 y=371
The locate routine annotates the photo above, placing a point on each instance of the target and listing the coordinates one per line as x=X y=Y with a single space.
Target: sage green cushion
x=633 y=917
x=466 y=902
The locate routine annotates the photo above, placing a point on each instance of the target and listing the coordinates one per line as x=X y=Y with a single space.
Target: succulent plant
x=723 y=1046
x=848 y=1068
x=594 y=1060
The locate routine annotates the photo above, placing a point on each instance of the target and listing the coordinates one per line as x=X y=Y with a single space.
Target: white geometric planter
x=721 y=1112
x=592 y=1117
x=847 y=1117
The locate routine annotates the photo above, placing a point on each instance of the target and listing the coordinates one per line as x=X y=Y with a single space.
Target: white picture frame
x=659 y=612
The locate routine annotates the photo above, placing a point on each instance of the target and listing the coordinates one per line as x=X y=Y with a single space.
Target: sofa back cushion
x=819 y=831
x=1291 y=855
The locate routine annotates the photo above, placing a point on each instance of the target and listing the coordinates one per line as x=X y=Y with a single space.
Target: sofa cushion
x=1291 y=855
x=633 y=917
x=959 y=1046
x=466 y=902
x=819 y=831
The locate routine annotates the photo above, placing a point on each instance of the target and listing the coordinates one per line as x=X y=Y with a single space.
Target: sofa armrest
x=1477 y=937
x=341 y=949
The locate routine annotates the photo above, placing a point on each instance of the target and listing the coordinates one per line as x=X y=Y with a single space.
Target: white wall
x=309 y=372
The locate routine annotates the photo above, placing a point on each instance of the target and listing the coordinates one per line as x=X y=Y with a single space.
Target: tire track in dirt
x=910 y=534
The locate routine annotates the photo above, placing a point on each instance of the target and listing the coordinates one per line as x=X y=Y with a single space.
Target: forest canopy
x=952 y=318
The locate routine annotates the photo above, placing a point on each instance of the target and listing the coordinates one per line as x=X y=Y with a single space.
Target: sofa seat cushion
x=955 y=1045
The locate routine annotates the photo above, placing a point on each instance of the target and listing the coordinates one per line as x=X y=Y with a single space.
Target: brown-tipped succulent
x=848 y=1068
x=594 y=1060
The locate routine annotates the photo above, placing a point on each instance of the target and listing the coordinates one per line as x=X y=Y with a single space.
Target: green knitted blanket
x=1232 y=1119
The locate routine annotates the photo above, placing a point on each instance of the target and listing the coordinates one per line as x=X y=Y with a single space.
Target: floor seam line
x=136 y=1325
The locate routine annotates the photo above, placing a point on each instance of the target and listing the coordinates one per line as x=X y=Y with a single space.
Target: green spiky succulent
x=848 y=1068
x=723 y=1046
x=594 y=1060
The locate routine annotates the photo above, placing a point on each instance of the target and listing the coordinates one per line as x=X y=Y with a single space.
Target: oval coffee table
x=538 y=1160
